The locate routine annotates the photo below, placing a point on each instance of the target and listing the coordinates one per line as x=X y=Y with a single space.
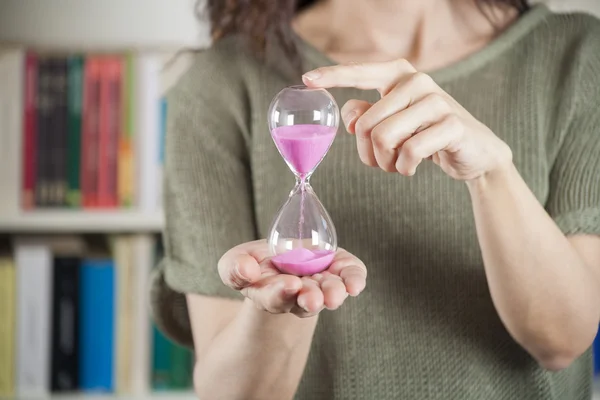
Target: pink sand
x=303 y=146
x=303 y=262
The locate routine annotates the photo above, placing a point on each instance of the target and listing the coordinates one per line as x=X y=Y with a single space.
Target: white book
x=11 y=122
x=144 y=258
x=147 y=129
x=34 y=300
x=125 y=300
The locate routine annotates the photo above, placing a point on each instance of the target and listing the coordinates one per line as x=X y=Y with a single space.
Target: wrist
x=496 y=178
x=262 y=324
x=501 y=173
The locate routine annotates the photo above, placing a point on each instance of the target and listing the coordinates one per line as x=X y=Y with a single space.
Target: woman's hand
x=248 y=268
x=414 y=120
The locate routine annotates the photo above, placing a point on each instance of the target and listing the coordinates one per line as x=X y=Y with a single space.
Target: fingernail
x=238 y=271
x=304 y=307
x=312 y=75
x=290 y=291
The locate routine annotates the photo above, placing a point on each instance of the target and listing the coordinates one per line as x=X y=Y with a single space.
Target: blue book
x=96 y=328
x=596 y=354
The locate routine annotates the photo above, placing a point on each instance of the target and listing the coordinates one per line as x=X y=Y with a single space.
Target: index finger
x=381 y=76
x=240 y=266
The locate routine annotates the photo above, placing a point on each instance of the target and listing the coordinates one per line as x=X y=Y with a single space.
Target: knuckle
x=404 y=64
x=438 y=102
x=410 y=150
x=379 y=138
x=422 y=79
x=362 y=127
x=453 y=122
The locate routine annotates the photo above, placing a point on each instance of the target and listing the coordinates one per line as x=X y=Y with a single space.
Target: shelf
x=109 y=396
x=61 y=221
x=107 y=25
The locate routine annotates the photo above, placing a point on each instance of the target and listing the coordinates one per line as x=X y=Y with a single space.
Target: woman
x=479 y=222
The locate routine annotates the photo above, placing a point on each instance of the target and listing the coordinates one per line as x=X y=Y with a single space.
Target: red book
x=29 y=132
x=110 y=125
x=90 y=133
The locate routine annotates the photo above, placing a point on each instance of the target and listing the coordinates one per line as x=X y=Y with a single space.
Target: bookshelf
x=149 y=38
x=101 y=25
x=66 y=221
x=152 y=396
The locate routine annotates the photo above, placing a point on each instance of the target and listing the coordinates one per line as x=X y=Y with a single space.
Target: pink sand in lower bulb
x=303 y=262
x=303 y=146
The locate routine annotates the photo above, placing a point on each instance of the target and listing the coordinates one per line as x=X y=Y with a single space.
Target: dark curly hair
x=256 y=20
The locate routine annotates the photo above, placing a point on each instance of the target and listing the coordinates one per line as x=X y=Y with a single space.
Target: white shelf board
x=107 y=25
x=82 y=221
x=175 y=395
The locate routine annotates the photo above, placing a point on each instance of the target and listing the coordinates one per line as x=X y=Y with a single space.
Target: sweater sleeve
x=574 y=200
x=207 y=188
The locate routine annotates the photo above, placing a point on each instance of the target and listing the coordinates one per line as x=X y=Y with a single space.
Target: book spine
x=160 y=159
x=59 y=119
x=90 y=133
x=29 y=131
x=125 y=296
x=147 y=75
x=7 y=327
x=143 y=255
x=161 y=360
x=34 y=295
x=126 y=171
x=181 y=370
x=43 y=124
x=110 y=94
x=64 y=372
x=96 y=326
x=75 y=102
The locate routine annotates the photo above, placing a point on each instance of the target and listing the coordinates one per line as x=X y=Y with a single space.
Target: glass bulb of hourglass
x=303 y=124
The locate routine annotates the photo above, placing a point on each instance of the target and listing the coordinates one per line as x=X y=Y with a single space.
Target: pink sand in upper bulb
x=303 y=262
x=303 y=146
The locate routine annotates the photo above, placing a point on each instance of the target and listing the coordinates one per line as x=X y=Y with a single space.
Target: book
x=34 y=293
x=143 y=256
x=123 y=255
x=58 y=131
x=110 y=127
x=29 y=162
x=43 y=132
x=12 y=77
x=64 y=371
x=147 y=122
x=172 y=365
x=7 y=327
x=90 y=134
x=126 y=171
x=75 y=100
x=96 y=328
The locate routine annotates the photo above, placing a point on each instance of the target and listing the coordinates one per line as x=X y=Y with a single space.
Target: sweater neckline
x=518 y=30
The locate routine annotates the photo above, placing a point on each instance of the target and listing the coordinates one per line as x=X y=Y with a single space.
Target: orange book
x=126 y=170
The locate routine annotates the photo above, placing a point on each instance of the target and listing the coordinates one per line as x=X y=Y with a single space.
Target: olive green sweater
x=425 y=327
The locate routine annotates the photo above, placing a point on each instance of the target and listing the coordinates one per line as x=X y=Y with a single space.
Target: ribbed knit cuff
x=586 y=221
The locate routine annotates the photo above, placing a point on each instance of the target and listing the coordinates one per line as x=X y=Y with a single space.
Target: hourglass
x=303 y=124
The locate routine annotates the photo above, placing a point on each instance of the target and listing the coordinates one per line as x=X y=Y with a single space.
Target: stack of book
x=74 y=314
x=91 y=132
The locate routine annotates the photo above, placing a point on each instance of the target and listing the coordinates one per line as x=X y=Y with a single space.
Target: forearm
x=544 y=293
x=256 y=356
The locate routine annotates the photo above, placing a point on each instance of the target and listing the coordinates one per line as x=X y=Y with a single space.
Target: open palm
x=248 y=268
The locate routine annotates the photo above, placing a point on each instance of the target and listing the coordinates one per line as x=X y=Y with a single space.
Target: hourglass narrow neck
x=303 y=181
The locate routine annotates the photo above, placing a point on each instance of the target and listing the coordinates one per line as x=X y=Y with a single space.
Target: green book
x=74 y=107
x=172 y=365
x=161 y=360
